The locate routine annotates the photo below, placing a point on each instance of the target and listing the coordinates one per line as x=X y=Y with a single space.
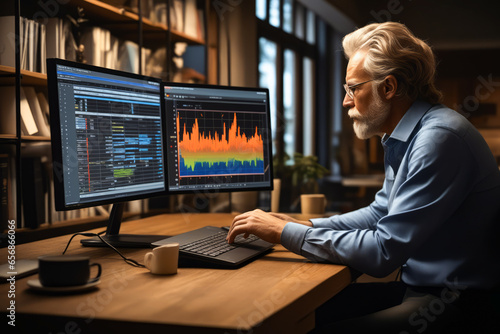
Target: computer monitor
x=107 y=141
x=218 y=138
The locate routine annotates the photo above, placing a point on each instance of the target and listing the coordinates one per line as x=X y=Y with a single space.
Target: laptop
x=207 y=247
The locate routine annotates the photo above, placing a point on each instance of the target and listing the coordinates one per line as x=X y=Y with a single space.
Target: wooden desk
x=275 y=294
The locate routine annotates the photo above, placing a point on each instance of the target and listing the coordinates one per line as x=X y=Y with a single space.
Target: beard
x=368 y=124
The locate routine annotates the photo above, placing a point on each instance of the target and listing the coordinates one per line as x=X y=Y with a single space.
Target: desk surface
x=276 y=293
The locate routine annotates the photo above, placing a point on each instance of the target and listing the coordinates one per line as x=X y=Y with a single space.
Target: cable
x=131 y=262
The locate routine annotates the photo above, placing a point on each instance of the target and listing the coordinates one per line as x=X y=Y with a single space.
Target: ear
x=389 y=87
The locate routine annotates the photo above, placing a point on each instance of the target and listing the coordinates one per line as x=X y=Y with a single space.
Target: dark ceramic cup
x=66 y=270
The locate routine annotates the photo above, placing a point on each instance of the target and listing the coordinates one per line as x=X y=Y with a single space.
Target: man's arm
x=437 y=182
x=269 y=226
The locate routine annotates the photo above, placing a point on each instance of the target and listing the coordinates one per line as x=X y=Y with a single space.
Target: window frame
x=302 y=49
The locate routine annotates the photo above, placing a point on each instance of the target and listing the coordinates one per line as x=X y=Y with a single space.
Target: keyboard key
x=215 y=245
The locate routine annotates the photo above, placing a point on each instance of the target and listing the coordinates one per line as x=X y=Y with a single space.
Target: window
x=287 y=65
x=267 y=77
x=289 y=107
x=274 y=12
x=260 y=8
x=309 y=117
x=288 y=16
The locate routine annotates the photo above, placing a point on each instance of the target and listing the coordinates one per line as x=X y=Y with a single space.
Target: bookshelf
x=28 y=78
x=123 y=23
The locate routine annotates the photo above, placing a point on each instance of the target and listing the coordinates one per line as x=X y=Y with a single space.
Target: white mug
x=163 y=260
x=313 y=203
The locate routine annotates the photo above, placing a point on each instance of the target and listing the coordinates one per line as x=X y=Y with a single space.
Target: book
x=111 y=54
x=99 y=48
x=8 y=41
x=128 y=59
x=201 y=24
x=34 y=113
x=32 y=43
x=44 y=105
x=60 y=42
x=43 y=49
x=53 y=37
x=191 y=18
x=34 y=52
x=23 y=28
x=31 y=39
x=36 y=110
x=179 y=11
x=28 y=123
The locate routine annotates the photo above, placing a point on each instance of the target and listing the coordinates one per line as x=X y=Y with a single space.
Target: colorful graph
x=206 y=152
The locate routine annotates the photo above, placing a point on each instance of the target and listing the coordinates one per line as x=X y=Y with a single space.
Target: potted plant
x=299 y=176
x=306 y=171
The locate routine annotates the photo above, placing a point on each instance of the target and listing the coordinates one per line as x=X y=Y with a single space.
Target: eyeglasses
x=349 y=89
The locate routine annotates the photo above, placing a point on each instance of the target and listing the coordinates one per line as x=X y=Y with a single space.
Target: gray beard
x=369 y=124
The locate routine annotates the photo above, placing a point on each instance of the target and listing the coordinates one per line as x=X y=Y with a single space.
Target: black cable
x=131 y=262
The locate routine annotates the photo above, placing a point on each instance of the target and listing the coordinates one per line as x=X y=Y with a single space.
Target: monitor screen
x=218 y=138
x=107 y=135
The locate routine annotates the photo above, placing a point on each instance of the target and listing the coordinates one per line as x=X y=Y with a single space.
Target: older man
x=437 y=215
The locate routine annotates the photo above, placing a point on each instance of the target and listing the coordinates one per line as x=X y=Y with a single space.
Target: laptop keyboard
x=216 y=244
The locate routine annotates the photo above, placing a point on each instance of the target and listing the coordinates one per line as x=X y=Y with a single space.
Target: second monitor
x=218 y=138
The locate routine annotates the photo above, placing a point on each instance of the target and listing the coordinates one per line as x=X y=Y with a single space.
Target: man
x=436 y=217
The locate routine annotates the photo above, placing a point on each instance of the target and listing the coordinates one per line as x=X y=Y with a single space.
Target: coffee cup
x=66 y=270
x=163 y=260
x=313 y=203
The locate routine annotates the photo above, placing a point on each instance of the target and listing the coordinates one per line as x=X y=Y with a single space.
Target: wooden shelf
x=28 y=77
x=8 y=137
x=125 y=22
x=11 y=137
x=35 y=138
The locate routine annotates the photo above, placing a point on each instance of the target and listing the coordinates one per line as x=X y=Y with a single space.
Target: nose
x=348 y=102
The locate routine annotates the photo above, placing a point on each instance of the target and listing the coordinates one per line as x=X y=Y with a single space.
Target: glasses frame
x=348 y=89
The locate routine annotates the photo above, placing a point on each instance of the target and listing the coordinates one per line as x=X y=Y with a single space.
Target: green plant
x=302 y=173
x=305 y=173
x=298 y=176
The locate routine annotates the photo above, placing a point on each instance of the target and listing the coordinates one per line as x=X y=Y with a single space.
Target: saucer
x=35 y=285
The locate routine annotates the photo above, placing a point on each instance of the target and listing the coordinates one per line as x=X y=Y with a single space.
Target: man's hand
x=267 y=226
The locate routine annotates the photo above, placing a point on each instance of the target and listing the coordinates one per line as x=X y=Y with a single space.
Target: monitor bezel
x=56 y=140
x=268 y=187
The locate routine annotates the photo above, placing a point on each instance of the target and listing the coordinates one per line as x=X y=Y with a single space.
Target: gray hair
x=393 y=49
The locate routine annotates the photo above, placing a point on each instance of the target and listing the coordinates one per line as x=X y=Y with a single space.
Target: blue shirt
x=437 y=214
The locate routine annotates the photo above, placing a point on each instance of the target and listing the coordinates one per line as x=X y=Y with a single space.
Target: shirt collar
x=409 y=121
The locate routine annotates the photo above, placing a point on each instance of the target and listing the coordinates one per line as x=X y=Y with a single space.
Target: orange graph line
x=199 y=146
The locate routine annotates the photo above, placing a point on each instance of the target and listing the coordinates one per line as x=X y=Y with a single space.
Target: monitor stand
x=116 y=239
